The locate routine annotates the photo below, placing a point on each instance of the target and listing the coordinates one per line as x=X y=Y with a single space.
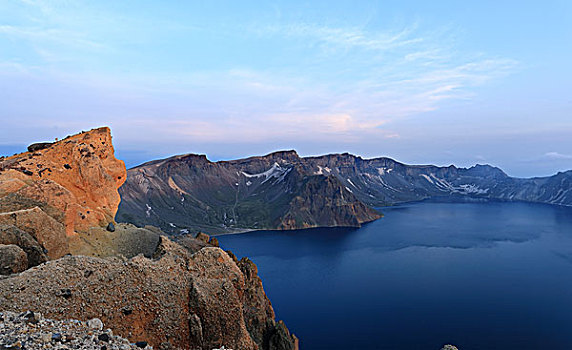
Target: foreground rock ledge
x=29 y=330
x=177 y=300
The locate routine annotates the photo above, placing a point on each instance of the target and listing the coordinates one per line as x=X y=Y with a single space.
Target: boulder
x=34 y=252
x=449 y=347
x=12 y=259
x=49 y=233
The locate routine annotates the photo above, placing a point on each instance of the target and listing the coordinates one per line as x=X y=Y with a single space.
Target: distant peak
x=285 y=153
x=486 y=168
x=190 y=158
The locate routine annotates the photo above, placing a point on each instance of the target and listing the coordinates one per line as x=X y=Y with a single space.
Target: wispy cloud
x=343 y=82
x=348 y=37
x=558 y=156
x=43 y=36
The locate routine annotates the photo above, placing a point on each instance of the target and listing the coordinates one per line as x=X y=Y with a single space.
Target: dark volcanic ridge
x=277 y=191
x=282 y=190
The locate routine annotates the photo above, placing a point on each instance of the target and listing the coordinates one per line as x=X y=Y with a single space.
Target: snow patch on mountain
x=276 y=171
x=471 y=189
x=379 y=179
x=444 y=185
x=322 y=171
x=427 y=178
x=384 y=171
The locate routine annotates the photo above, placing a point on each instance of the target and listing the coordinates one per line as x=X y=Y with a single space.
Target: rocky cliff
x=178 y=299
x=60 y=198
x=284 y=191
x=276 y=191
x=75 y=180
x=57 y=192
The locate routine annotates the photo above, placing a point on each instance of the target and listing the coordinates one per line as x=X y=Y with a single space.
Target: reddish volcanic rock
x=78 y=176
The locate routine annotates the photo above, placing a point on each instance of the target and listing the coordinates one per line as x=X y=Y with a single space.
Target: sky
x=423 y=82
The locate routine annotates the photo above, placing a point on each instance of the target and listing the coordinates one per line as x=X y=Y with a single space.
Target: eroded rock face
x=178 y=299
x=78 y=176
x=220 y=313
x=12 y=259
x=257 y=308
x=59 y=194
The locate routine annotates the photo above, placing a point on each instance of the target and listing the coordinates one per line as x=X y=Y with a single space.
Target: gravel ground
x=29 y=330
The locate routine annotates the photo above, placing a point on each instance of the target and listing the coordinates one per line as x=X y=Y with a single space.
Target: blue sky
x=443 y=82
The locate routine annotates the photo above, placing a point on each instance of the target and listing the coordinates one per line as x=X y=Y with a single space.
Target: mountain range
x=282 y=190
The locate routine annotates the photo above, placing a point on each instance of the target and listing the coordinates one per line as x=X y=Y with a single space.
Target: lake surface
x=478 y=275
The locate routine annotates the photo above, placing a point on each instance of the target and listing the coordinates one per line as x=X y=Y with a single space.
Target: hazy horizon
x=423 y=83
x=136 y=158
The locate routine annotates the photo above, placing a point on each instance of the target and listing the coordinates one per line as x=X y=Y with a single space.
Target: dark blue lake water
x=477 y=275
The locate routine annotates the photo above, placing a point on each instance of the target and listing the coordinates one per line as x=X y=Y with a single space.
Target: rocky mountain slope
x=284 y=191
x=383 y=181
x=64 y=257
x=272 y=192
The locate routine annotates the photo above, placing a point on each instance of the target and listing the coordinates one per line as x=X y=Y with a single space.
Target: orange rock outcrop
x=79 y=176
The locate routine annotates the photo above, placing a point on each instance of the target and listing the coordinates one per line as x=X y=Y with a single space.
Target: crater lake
x=487 y=275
